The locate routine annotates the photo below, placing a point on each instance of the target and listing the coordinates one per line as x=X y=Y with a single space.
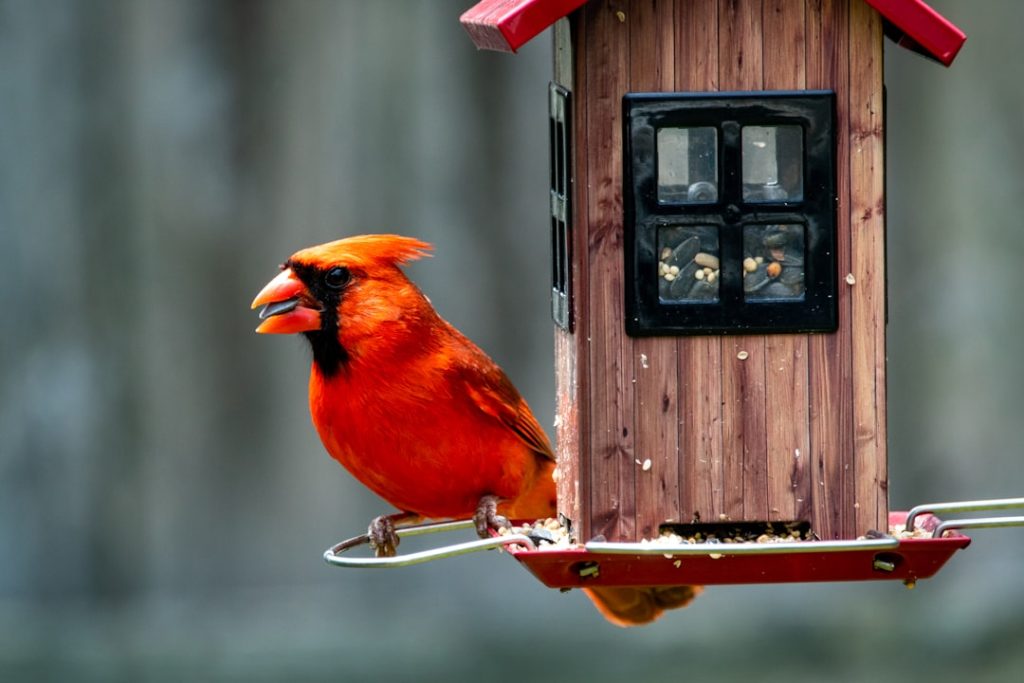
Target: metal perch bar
x=333 y=555
x=746 y=548
x=963 y=506
x=980 y=523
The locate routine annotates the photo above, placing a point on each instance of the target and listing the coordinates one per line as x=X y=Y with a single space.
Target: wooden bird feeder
x=718 y=288
x=718 y=231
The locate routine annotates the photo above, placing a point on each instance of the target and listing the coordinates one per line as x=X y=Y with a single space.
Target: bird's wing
x=493 y=393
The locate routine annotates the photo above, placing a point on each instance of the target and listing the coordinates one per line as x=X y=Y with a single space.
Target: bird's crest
x=365 y=251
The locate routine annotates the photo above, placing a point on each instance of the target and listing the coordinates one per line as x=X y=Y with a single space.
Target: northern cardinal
x=415 y=410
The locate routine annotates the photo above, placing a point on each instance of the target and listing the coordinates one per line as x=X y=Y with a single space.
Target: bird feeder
x=717 y=215
x=718 y=240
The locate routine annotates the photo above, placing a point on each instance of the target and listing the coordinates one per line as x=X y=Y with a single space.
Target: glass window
x=688 y=267
x=688 y=165
x=729 y=215
x=773 y=160
x=773 y=262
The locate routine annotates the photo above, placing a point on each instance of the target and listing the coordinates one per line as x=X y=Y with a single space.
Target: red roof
x=918 y=27
x=506 y=25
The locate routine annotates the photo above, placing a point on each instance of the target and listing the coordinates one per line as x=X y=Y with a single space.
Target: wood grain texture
x=745 y=456
x=652 y=68
x=786 y=377
x=751 y=427
x=830 y=355
x=568 y=453
x=740 y=37
x=703 y=487
x=612 y=432
x=578 y=510
x=867 y=248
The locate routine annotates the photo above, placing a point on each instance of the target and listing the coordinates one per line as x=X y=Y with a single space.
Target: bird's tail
x=629 y=606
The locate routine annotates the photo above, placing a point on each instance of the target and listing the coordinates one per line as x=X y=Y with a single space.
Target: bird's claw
x=383 y=536
x=487 y=518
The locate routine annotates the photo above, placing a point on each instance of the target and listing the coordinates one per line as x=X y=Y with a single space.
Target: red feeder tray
x=619 y=564
x=600 y=563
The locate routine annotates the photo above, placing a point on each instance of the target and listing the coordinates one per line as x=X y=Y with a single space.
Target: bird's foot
x=383 y=536
x=383 y=532
x=487 y=518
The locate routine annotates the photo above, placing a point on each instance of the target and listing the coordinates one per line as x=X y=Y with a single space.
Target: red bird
x=415 y=410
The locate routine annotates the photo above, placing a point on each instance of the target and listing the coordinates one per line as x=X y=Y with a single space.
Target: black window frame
x=731 y=313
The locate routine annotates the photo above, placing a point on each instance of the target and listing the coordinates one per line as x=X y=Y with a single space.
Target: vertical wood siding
x=794 y=428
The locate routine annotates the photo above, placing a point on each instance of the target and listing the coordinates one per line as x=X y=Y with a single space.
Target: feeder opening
x=739 y=532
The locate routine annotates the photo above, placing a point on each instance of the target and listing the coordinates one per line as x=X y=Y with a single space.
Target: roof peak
x=507 y=25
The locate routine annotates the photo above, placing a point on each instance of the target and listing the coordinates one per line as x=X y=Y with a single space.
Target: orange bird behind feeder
x=415 y=410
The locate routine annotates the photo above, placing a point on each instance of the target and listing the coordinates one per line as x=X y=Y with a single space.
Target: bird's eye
x=337 y=277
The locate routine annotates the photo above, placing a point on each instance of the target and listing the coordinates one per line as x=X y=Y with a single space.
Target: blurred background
x=164 y=501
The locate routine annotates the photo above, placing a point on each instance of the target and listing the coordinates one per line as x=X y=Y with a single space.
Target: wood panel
x=745 y=456
x=703 y=486
x=786 y=390
x=574 y=492
x=867 y=248
x=569 y=455
x=830 y=356
x=652 y=68
x=612 y=433
x=750 y=427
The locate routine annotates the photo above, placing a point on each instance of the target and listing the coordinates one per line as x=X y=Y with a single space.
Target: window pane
x=773 y=262
x=688 y=269
x=687 y=165
x=773 y=159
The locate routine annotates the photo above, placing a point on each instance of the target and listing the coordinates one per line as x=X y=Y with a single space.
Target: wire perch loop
x=898 y=555
x=968 y=506
x=335 y=555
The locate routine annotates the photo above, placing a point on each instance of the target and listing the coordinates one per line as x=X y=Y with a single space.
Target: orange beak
x=287 y=305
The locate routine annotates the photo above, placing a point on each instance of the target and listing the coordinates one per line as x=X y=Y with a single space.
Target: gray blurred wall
x=163 y=498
